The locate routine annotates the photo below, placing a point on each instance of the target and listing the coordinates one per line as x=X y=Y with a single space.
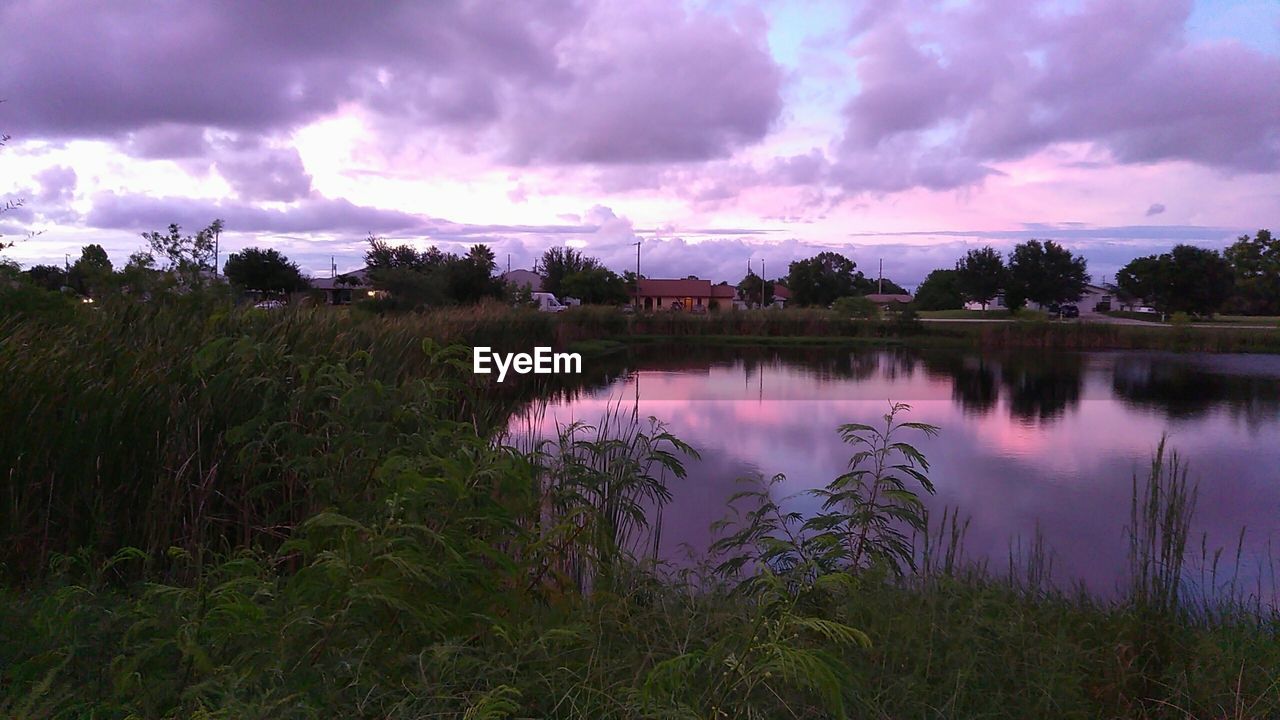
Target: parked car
x=546 y=302
x=1145 y=309
x=269 y=305
x=1070 y=311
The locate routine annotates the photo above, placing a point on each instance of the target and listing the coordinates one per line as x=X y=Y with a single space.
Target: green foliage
x=415 y=280
x=49 y=277
x=941 y=290
x=185 y=255
x=1256 y=264
x=23 y=301
x=855 y=307
x=756 y=291
x=1045 y=273
x=1188 y=279
x=224 y=514
x=266 y=271
x=595 y=285
x=821 y=279
x=865 y=521
x=980 y=275
x=558 y=263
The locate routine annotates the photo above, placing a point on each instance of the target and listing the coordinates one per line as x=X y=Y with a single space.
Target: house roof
x=781 y=292
x=724 y=290
x=354 y=279
x=888 y=298
x=675 y=288
x=524 y=277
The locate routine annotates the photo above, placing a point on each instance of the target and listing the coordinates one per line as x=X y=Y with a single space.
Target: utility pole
x=880 y=287
x=761 y=282
x=637 y=305
x=508 y=262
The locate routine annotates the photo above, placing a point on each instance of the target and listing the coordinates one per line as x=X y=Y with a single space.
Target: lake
x=1028 y=441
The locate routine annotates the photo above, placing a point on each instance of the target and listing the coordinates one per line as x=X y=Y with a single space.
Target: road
x=1097 y=318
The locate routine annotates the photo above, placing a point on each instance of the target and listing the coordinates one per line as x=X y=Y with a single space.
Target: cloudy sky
x=717 y=132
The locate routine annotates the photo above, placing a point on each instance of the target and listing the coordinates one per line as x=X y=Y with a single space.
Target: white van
x=547 y=302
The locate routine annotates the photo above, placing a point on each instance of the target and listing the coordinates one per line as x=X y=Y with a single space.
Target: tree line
x=1243 y=279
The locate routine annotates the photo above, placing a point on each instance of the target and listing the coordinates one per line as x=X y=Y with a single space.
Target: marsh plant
x=219 y=514
x=602 y=489
x=869 y=515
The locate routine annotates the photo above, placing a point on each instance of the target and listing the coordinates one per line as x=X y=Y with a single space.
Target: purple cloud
x=549 y=82
x=947 y=91
x=1155 y=209
x=57 y=185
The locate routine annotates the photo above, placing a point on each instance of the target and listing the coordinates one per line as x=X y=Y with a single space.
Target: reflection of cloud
x=1069 y=477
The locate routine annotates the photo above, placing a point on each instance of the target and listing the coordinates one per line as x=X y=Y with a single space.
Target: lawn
x=993 y=314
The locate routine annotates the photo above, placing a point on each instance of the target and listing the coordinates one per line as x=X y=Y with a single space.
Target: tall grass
x=244 y=515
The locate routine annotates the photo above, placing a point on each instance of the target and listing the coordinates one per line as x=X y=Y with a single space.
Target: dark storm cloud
x=556 y=82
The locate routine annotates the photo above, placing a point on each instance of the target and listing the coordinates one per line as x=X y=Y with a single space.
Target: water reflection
x=1029 y=441
x=1184 y=388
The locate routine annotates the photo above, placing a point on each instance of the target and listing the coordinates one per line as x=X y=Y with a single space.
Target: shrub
x=855 y=307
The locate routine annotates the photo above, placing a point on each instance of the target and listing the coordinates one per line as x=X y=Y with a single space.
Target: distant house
x=342 y=289
x=1096 y=298
x=690 y=294
x=889 y=301
x=781 y=295
x=725 y=297
x=523 y=278
x=997 y=303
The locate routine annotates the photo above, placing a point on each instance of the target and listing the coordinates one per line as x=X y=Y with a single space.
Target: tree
x=1188 y=279
x=140 y=274
x=756 y=291
x=1255 y=262
x=821 y=279
x=1140 y=279
x=431 y=277
x=49 y=277
x=981 y=275
x=470 y=278
x=92 y=272
x=855 y=306
x=940 y=291
x=1045 y=273
x=186 y=255
x=596 y=285
x=559 y=262
x=266 y=271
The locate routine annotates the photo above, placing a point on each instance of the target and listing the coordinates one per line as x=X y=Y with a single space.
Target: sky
x=717 y=133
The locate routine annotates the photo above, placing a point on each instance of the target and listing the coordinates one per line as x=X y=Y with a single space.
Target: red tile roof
x=675 y=288
x=724 y=290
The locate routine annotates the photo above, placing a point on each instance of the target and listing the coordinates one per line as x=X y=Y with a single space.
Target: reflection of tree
x=973 y=379
x=1183 y=391
x=1042 y=388
x=974 y=386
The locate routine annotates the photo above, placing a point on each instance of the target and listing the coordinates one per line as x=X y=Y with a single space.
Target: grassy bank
x=224 y=514
x=801 y=327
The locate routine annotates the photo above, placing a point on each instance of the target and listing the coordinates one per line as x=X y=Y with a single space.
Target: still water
x=1047 y=441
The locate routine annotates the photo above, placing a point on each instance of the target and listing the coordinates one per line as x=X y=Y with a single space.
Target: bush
x=855 y=307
